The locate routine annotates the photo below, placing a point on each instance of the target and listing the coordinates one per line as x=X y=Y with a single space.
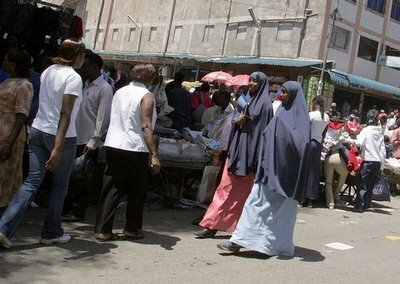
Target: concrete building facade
x=352 y=33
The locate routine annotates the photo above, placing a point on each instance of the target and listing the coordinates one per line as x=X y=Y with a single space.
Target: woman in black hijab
x=269 y=215
x=238 y=175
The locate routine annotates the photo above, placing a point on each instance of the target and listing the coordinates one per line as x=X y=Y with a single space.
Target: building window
x=152 y=34
x=208 y=32
x=131 y=35
x=100 y=35
x=395 y=14
x=177 y=33
x=114 y=34
x=367 y=49
x=340 y=38
x=390 y=51
x=241 y=32
x=376 y=5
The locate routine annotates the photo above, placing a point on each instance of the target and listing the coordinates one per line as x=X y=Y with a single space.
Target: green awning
x=87 y=44
x=357 y=82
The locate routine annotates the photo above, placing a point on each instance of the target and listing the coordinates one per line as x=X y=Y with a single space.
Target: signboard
x=389 y=61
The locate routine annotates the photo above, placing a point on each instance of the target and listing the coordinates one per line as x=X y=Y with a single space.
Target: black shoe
x=205 y=233
x=229 y=246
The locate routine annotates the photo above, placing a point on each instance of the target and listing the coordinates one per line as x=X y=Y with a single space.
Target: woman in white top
x=52 y=144
x=319 y=121
x=130 y=148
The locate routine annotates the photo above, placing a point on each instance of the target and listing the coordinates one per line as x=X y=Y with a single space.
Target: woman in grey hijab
x=269 y=215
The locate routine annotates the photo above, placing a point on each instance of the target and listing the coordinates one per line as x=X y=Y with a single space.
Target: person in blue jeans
x=52 y=145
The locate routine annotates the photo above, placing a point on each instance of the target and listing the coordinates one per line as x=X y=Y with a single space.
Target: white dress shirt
x=94 y=113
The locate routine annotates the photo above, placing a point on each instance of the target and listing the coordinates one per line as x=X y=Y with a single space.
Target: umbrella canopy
x=217 y=77
x=238 y=80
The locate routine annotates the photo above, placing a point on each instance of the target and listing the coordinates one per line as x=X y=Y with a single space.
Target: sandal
x=134 y=235
x=104 y=237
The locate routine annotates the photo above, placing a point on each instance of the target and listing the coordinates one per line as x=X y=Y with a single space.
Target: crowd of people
x=271 y=152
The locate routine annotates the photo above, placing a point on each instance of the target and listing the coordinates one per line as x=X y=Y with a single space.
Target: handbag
x=381 y=189
x=207 y=185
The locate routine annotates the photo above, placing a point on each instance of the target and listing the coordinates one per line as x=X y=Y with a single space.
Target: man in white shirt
x=91 y=126
x=373 y=154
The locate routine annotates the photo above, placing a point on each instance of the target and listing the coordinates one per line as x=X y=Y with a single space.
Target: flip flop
x=104 y=237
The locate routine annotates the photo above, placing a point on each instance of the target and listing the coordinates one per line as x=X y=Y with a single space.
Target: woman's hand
x=154 y=164
x=5 y=152
x=54 y=160
x=242 y=119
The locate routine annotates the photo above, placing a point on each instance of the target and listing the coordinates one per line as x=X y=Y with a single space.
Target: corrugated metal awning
x=284 y=62
x=120 y=54
x=357 y=82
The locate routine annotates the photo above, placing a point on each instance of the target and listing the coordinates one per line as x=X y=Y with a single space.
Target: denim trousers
x=40 y=145
x=369 y=173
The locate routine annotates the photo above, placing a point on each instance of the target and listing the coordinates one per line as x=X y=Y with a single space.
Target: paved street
x=364 y=249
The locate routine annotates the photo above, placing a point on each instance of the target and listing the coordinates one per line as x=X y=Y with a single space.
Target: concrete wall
x=199 y=27
x=225 y=28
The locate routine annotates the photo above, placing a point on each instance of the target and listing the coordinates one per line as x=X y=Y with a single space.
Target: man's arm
x=102 y=119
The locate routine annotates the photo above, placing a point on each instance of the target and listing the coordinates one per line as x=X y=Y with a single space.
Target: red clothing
x=396 y=143
x=355 y=160
x=353 y=128
x=203 y=98
x=228 y=202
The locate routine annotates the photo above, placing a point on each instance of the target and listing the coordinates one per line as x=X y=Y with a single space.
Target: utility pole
x=226 y=28
x=330 y=36
x=171 y=18
x=308 y=13
x=96 y=34
x=257 y=40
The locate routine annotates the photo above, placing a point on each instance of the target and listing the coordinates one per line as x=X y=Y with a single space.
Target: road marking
x=349 y=222
x=393 y=238
x=339 y=246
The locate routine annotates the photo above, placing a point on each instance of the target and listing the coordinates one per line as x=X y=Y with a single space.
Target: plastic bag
x=207 y=185
x=381 y=189
x=83 y=170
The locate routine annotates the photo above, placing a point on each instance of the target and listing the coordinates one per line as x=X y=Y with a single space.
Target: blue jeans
x=40 y=147
x=369 y=173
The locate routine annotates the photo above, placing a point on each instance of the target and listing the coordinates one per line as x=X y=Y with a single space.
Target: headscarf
x=285 y=149
x=244 y=142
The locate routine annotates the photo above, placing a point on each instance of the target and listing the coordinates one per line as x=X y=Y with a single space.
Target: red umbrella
x=217 y=77
x=238 y=80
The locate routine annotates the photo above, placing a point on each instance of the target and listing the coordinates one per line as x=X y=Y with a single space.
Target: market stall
x=183 y=158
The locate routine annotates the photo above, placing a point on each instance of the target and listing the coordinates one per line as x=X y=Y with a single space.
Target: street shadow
x=151 y=238
x=247 y=254
x=221 y=237
x=86 y=249
x=307 y=255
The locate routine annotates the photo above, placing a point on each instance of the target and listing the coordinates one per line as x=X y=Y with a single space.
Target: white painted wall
x=372 y=21
x=393 y=30
x=365 y=68
x=390 y=76
x=341 y=59
x=347 y=9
